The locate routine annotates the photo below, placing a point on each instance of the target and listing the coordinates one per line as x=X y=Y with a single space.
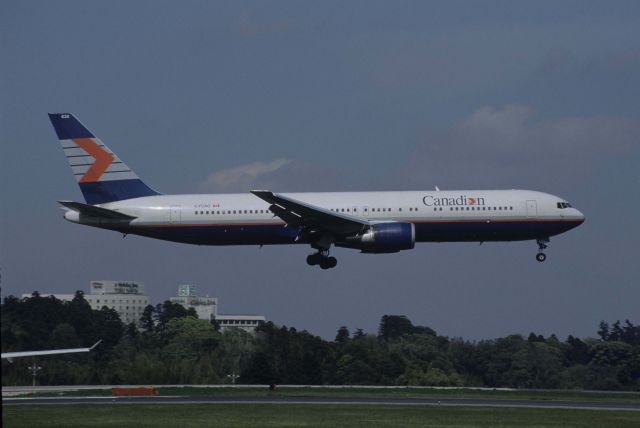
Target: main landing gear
x=542 y=245
x=322 y=258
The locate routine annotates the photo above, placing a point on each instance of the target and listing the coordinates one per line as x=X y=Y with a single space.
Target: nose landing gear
x=322 y=258
x=542 y=245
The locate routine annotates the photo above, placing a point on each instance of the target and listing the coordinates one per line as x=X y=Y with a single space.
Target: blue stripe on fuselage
x=490 y=230
x=426 y=231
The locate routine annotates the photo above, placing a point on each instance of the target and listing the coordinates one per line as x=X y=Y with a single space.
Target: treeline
x=174 y=347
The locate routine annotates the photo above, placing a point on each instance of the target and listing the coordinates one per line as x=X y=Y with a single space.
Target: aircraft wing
x=94 y=211
x=11 y=355
x=300 y=213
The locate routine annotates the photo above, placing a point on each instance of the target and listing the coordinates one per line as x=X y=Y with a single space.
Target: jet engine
x=383 y=238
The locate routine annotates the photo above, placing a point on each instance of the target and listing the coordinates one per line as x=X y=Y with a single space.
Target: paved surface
x=484 y=402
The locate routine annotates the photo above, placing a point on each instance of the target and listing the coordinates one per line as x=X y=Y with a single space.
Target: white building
x=245 y=322
x=207 y=308
x=127 y=298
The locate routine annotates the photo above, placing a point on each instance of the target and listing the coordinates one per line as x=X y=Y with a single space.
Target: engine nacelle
x=385 y=238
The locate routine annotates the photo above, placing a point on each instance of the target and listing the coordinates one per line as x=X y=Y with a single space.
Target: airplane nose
x=580 y=217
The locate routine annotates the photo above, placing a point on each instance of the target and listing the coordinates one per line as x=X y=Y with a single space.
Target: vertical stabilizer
x=101 y=174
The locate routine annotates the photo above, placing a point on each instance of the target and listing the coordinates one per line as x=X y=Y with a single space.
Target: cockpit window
x=563 y=205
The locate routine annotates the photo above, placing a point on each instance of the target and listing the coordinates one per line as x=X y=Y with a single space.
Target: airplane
x=11 y=355
x=372 y=222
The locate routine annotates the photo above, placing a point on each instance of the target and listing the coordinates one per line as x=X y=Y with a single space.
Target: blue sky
x=290 y=96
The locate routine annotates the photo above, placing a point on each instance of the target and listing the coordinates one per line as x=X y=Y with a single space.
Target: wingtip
x=261 y=193
x=95 y=344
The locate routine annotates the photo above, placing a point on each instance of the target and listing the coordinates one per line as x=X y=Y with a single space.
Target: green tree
x=342 y=336
x=394 y=326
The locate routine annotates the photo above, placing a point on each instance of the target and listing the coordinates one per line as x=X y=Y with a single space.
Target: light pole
x=233 y=376
x=34 y=372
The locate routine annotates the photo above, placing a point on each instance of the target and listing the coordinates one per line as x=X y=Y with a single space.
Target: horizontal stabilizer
x=93 y=211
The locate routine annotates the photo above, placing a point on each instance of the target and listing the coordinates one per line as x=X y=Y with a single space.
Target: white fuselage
x=438 y=216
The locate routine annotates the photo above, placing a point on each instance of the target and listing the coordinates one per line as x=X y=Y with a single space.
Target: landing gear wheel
x=314 y=259
x=542 y=245
x=328 y=262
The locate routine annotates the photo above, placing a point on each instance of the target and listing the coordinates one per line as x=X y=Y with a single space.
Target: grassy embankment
x=307 y=415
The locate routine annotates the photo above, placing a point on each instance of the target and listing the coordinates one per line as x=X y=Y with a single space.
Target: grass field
x=307 y=415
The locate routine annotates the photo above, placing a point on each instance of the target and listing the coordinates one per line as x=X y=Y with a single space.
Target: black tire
x=324 y=264
x=541 y=257
x=332 y=262
x=312 y=259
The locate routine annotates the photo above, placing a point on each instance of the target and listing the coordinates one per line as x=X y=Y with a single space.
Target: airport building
x=245 y=322
x=207 y=308
x=127 y=298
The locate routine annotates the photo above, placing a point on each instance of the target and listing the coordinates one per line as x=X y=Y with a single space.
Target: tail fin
x=101 y=175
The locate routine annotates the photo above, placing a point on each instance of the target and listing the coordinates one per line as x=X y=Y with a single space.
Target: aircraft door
x=355 y=212
x=532 y=208
x=365 y=211
x=175 y=214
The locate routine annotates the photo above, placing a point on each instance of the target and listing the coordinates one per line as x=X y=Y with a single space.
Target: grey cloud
x=241 y=178
x=280 y=175
x=511 y=145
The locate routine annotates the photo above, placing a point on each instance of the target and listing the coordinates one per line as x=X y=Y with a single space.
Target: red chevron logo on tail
x=102 y=159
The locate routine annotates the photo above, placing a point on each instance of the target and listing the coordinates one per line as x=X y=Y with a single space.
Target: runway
x=283 y=400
